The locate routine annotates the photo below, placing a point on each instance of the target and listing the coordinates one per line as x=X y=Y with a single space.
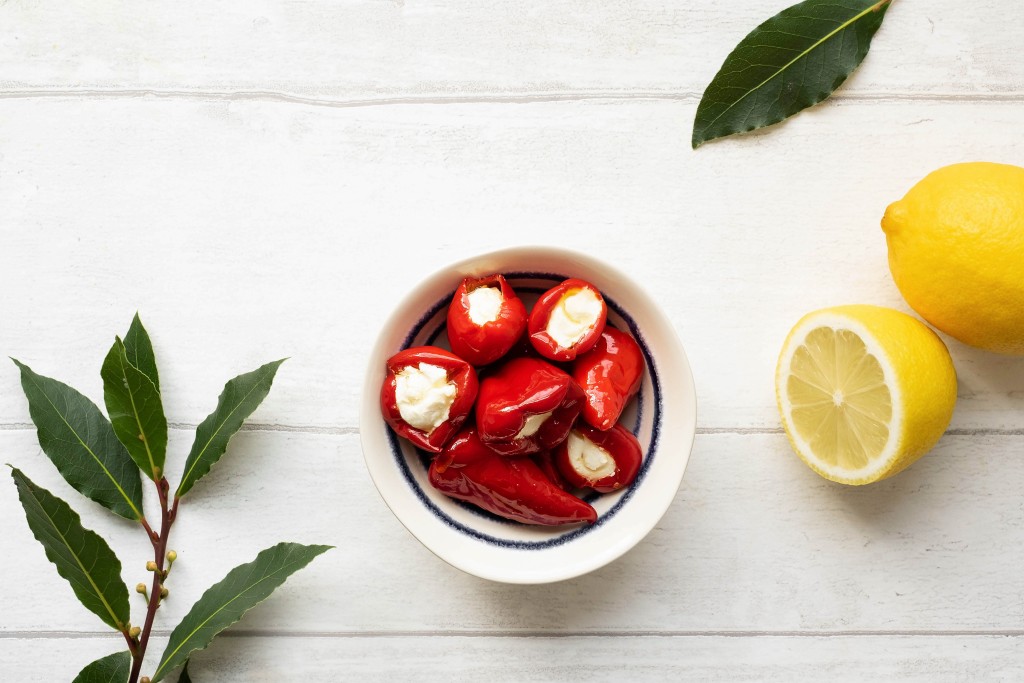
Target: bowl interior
x=495 y=548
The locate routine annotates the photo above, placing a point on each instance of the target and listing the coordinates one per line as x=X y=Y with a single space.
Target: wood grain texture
x=264 y=179
x=441 y=659
x=357 y=50
x=755 y=542
x=248 y=231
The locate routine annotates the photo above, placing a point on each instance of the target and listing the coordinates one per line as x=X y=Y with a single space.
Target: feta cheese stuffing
x=533 y=425
x=484 y=304
x=573 y=317
x=424 y=396
x=588 y=459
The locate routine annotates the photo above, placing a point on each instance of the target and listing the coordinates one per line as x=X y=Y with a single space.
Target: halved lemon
x=863 y=391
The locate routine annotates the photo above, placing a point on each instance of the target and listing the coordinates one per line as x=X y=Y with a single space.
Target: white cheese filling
x=484 y=304
x=588 y=459
x=573 y=316
x=533 y=424
x=424 y=395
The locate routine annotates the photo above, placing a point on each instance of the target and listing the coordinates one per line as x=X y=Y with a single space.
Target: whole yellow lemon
x=956 y=252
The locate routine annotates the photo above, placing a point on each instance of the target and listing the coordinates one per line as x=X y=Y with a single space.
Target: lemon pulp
x=841 y=404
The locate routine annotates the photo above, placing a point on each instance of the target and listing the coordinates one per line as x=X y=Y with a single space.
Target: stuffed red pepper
x=427 y=394
x=485 y=319
x=525 y=406
x=567 y=320
x=514 y=488
x=601 y=460
x=610 y=375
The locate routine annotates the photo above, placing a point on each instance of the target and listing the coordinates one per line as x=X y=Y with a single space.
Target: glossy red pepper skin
x=514 y=488
x=541 y=313
x=522 y=348
x=610 y=375
x=619 y=443
x=546 y=462
x=518 y=390
x=459 y=371
x=484 y=344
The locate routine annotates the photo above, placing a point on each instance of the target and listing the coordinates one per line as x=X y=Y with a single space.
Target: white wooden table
x=260 y=179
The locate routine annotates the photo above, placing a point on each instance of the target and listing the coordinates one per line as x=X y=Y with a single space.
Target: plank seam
x=353 y=431
x=526 y=97
x=255 y=427
x=240 y=633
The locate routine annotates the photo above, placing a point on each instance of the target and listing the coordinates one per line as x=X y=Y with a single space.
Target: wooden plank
x=248 y=231
x=356 y=50
x=904 y=659
x=754 y=542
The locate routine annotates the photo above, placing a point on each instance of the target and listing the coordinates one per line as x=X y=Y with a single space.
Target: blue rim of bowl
x=403 y=464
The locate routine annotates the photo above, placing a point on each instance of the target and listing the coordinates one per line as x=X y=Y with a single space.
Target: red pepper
x=522 y=348
x=549 y=308
x=610 y=375
x=546 y=462
x=525 y=406
x=514 y=488
x=459 y=373
x=486 y=342
x=614 y=464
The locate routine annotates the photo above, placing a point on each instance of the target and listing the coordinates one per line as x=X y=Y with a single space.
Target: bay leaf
x=225 y=602
x=241 y=396
x=81 y=443
x=81 y=556
x=139 y=350
x=793 y=61
x=136 y=411
x=110 y=669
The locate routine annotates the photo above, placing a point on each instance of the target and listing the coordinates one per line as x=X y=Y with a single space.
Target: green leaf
x=82 y=557
x=790 y=62
x=240 y=398
x=81 y=443
x=110 y=669
x=139 y=350
x=136 y=411
x=184 y=677
x=224 y=603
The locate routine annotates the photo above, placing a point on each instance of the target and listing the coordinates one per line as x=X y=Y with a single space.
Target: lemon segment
x=863 y=391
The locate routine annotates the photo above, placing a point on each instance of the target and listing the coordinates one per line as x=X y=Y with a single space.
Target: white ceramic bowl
x=663 y=417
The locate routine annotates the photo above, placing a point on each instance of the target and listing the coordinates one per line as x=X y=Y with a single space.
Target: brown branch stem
x=159 y=541
x=133 y=647
x=153 y=536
